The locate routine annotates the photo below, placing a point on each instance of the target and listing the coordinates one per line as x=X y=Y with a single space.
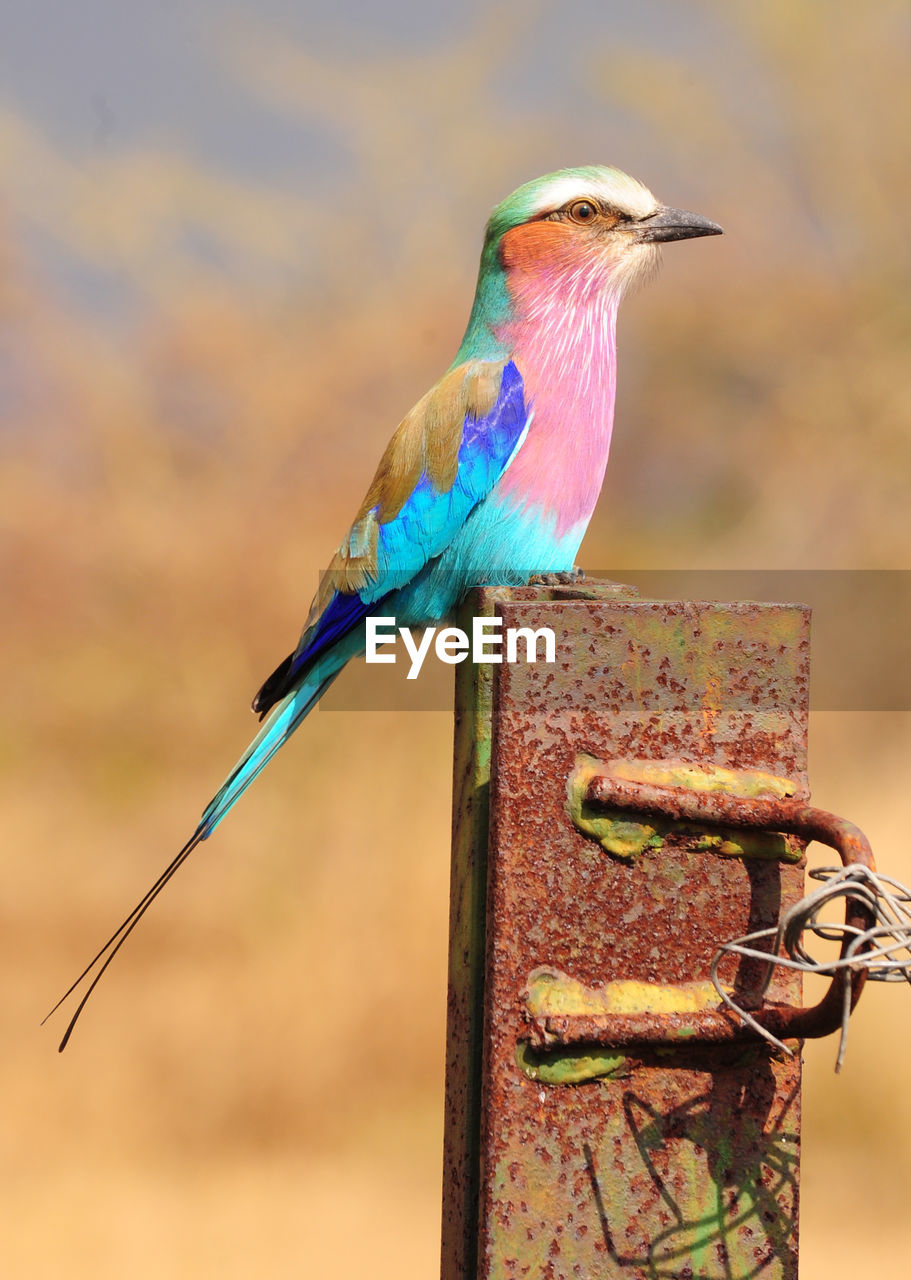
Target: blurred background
x=237 y=242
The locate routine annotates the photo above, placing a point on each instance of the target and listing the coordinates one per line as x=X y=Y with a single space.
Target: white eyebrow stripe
x=621 y=192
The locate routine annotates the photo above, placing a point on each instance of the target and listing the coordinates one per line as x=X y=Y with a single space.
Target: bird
x=492 y=477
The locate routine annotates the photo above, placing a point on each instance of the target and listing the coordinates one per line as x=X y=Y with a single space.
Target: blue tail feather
x=278 y=727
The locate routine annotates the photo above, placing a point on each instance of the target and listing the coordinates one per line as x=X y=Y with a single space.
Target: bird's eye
x=582 y=211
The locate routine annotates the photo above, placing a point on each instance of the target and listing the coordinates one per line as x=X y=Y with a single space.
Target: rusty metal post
x=596 y=1125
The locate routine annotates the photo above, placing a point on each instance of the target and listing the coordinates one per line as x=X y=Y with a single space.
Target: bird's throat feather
x=562 y=334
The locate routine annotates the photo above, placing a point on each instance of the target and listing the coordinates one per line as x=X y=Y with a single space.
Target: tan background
x=257 y=1087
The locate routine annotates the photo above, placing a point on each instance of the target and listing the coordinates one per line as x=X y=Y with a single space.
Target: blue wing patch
x=429 y=520
x=420 y=531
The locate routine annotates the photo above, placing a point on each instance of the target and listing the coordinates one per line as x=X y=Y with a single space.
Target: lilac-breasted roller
x=493 y=476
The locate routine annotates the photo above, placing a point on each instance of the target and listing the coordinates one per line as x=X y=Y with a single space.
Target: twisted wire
x=882 y=951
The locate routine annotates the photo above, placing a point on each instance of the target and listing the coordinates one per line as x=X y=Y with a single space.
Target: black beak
x=675 y=224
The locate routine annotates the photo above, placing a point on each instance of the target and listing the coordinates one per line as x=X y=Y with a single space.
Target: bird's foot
x=568 y=578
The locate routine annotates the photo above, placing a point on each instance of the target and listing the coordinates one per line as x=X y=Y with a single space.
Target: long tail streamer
x=277 y=729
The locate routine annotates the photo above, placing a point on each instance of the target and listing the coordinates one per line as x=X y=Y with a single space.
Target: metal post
x=601 y=1119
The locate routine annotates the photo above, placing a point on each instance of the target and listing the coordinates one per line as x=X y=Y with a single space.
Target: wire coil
x=883 y=951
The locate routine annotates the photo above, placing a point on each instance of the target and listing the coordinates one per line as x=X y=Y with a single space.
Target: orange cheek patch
x=536 y=245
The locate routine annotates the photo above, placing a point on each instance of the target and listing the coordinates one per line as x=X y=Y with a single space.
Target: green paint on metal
x=748 y=783
x=717 y=1210
x=616 y=835
x=573 y=1065
x=552 y=994
x=768 y=846
x=729 y=1211
x=626 y=839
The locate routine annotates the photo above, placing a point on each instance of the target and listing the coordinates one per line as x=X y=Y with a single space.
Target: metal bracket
x=625 y=839
x=561 y=1012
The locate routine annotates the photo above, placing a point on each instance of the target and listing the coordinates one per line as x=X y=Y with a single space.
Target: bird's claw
x=567 y=578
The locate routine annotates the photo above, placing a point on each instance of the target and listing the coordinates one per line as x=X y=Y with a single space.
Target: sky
x=279 y=97
x=103 y=73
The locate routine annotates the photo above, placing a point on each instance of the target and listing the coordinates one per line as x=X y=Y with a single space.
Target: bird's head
x=573 y=236
x=594 y=224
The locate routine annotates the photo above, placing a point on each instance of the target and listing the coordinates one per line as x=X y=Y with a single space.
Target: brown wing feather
x=427 y=439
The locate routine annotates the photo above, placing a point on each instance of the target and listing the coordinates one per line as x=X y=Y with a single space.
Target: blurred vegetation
x=267 y=1057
